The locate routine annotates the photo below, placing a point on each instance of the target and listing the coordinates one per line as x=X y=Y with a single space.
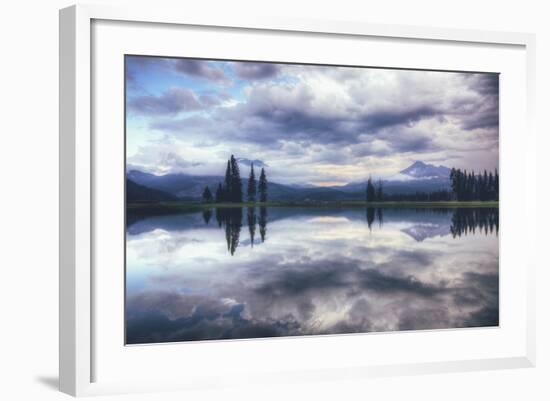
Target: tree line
x=230 y=191
x=472 y=187
x=465 y=186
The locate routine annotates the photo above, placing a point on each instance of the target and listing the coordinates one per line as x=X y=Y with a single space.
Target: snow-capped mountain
x=423 y=171
x=418 y=177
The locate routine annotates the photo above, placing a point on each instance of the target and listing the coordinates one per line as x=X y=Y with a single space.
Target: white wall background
x=29 y=185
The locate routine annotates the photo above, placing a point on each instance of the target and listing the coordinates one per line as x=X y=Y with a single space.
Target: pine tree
x=379 y=191
x=236 y=184
x=371 y=192
x=484 y=195
x=471 y=186
x=496 y=193
x=207 y=195
x=453 y=176
x=227 y=184
x=262 y=186
x=219 y=193
x=251 y=185
x=491 y=187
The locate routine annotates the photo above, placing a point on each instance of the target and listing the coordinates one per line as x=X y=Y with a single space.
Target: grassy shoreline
x=183 y=205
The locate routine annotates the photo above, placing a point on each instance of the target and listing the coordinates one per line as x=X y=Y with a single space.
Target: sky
x=305 y=124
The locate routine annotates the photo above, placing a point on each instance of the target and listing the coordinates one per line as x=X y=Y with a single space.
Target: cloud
x=173 y=101
x=286 y=301
x=353 y=116
x=160 y=159
x=296 y=284
x=407 y=116
x=253 y=71
x=198 y=68
x=485 y=84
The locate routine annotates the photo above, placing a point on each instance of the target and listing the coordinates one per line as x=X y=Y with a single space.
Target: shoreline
x=187 y=205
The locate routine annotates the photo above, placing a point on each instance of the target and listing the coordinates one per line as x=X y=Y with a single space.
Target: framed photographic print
x=236 y=195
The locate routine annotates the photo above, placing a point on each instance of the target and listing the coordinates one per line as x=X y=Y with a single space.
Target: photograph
x=280 y=199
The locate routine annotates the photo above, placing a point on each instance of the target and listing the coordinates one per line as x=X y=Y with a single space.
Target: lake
x=289 y=271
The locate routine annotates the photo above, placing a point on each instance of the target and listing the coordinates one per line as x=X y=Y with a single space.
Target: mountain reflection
x=322 y=271
x=463 y=221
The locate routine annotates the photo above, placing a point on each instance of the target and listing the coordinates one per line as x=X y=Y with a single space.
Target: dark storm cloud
x=483 y=112
x=203 y=69
x=174 y=101
x=484 y=84
x=406 y=116
x=395 y=140
x=199 y=68
x=253 y=71
x=171 y=102
x=413 y=143
x=266 y=123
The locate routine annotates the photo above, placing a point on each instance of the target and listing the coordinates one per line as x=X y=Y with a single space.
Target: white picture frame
x=78 y=225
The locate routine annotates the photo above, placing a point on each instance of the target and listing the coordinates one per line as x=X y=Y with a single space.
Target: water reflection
x=463 y=221
x=263 y=223
x=466 y=221
x=322 y=271
x=251 y=219
x=207 y=215
x=370 y=216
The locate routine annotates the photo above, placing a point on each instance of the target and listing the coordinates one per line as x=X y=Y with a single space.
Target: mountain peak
x=418 y=163
x=423 y=170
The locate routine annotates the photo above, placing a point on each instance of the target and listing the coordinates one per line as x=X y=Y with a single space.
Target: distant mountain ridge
x=418 y=177
x=140 y=193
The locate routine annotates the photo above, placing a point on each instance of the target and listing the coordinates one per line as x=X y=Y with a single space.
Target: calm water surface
x=245 y=273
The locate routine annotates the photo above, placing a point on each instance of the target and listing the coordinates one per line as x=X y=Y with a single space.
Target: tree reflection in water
x=263 y=222
x=370 y=216
x=467 y=221
x=251 y=220
x=463 y=221
x=207 y=215
x=231 y=220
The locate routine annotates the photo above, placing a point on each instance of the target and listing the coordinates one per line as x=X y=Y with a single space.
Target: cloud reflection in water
x=319 y=271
